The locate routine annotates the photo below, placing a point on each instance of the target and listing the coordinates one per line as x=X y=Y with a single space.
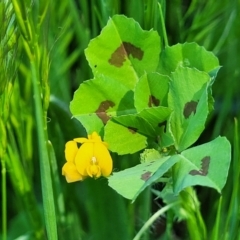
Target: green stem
x=217 y=223
x=4 y=201
x=170 y=217
x=153 y=218
x=46 y=180
x=195 y=224
x=232 y=222
x=3 y=144
x=57 y=185
x=163 y=27
x=145 y=202
x=149 y=14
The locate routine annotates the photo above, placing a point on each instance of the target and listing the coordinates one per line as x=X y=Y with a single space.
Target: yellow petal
x=70 y=151
x=69 y=170
x=106 y=144
x=94 y=171
x=104 y=158
x=84 y=157
x=95 y=137
x=80 y=140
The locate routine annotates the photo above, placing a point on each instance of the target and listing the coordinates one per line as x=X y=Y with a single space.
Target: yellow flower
x=91 y=159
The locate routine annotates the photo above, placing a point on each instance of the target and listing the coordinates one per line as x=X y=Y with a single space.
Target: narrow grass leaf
x=46 y=179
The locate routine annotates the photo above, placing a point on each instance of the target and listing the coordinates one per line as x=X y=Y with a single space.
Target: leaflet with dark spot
x=145 y=176
x=189 y=108
x=153 y=101
x=125 y=50
x=132 y=130
x=101 y=111
x=204 y=167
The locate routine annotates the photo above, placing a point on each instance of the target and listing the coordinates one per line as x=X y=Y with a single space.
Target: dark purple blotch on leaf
x=101 y=111
x=133 y=130
x=125 y=50
x=145 y=176
x=153 y=101
x=189 y=108
x=204 y=167
x=150 y=163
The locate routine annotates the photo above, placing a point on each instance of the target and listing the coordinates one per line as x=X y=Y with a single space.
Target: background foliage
x=44 y=44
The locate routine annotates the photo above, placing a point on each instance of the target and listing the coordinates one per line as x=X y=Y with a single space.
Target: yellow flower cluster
x=91 y=159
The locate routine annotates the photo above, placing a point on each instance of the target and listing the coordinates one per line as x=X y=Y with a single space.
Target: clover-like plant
x=144 y=98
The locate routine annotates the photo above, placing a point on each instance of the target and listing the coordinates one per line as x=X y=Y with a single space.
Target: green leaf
x=123 y=51
x=151 y=90
x=205 y=165
x=136 y=123
x=127 y=133
x=188 y=55
x=123 y=140
x=165 y=138
x=132 y=181
x=146 y=121
x=188 y=99
x=167 y=163
x=97 y=100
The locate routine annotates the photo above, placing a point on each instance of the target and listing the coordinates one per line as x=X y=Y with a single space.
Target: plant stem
x=231 y=221
x=3 y=144
x=217 y=224
x=59 y=201
x=46 y=180
x=4 y=201
x=154 y=218
x=149 y=14
x=163 y=27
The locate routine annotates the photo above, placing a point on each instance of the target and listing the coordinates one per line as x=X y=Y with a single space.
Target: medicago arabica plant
x=150 y=100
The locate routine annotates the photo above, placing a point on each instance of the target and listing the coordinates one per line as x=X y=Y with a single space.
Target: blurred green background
x=90 y=209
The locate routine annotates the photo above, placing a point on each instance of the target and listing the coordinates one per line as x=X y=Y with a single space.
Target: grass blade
x=46 y=180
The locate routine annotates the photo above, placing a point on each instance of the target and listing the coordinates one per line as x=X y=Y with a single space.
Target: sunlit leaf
x=188 y=99
x=97 y=100
x=123 y=51
x=151 y=90
x=188 y=55
x=205 y=165
x=165 y=136
x=132 y=181
x=167 y=163
x=123 y=140
x=146 y=121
